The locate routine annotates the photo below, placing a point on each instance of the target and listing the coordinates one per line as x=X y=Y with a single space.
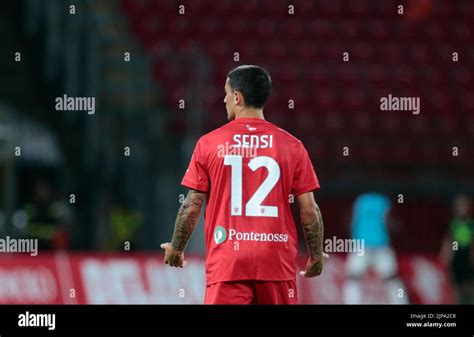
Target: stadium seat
x=209 y=26
x=265 y=28
x=308 y=48
x=237 y=26
x=318 y=28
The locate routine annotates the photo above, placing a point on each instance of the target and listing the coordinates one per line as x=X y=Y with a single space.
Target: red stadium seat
x=292 y=28
x=404 y=75
x=435 y=31
x=378 y=29
x=401 y=153
x=390 y=121
x=318 y=28
x=378 y=74
x=209 y=26
x=195 y=7
x=220 y=8
x=250 y=50
x=133 y=7
x=178 y=27
x=317 y=75
x=359 y=8
x=160 y=7
x=354 y=101
x=330 y=8
x=304 y=51
x=334 y=120
x=393 y=52
x=265 y=27
x=371 y=151
x=219 y=48
x=350 y=29
x=462 y=31
x=237 y=26
x=248 y=8
x=274 y=8
x=304 y=8
x=274 y=51
x=348 y=75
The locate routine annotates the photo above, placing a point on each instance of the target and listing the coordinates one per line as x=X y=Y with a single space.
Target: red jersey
x=248 y=168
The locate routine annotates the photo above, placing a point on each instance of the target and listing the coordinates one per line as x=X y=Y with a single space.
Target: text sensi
x=253 y=141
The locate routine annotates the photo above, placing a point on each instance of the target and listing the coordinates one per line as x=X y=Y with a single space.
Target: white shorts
x=382 y=260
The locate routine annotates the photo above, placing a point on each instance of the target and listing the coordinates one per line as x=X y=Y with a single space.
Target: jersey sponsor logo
x=253 y=236
x=220 y=235
x=250 y=128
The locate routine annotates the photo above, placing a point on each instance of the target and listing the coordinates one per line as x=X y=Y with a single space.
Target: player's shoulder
x=286 y=136
x=212 y=135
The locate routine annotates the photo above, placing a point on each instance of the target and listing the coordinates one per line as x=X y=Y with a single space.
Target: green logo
x=220 y=234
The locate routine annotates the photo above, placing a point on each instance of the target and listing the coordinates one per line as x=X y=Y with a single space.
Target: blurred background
x=100 y=191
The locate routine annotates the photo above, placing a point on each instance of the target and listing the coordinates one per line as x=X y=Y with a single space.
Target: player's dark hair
x=253 y=82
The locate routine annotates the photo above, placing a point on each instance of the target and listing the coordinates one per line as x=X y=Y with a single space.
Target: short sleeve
x=196 y=176
x=304 y=179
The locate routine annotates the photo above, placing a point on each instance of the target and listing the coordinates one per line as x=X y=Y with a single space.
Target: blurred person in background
x=370 y=222
x=123 y=226
x=48 y=220
x=458 y=249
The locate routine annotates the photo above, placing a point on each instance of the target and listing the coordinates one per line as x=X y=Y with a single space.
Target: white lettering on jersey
x=253 y=141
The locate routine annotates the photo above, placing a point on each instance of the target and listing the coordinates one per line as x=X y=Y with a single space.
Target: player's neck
x=251 y=113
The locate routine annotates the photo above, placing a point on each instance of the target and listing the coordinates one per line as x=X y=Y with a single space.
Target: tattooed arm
x=188 y=216
x=313 y=230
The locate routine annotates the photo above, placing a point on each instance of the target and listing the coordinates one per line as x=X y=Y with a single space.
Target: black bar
x=130 y=319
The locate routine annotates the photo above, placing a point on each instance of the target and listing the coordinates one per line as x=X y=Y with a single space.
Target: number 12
x=254 y=205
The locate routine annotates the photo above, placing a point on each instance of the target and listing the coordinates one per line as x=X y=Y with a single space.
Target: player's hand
x=173 y=257
x=314 y=267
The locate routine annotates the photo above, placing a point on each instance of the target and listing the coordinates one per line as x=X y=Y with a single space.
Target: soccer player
x=246 y=170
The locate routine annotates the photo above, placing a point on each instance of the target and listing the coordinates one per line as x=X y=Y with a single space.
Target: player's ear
x=236 y=97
